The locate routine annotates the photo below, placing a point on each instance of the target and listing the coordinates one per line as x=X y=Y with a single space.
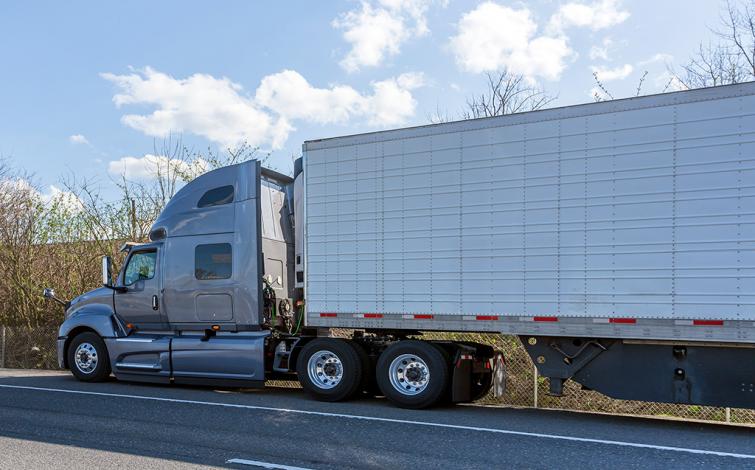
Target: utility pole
x=133 y=219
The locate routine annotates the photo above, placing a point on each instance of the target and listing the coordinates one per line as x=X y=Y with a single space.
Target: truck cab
x=197 y=303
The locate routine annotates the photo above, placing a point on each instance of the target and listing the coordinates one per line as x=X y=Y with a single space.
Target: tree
x=505 y=93
x=730 y=61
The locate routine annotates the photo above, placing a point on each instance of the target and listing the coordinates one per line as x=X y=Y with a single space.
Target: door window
x=141 y=266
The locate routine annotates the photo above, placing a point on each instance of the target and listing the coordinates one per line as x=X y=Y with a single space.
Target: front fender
x=99 y=318
x=96 y=317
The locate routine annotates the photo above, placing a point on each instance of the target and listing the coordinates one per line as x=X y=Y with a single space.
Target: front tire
x=88 y=358
x=330 y=369
x=413 y=374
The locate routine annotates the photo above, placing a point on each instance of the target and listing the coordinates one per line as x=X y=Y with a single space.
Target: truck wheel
x=87 y=358
x=413 y=374
x=329 y=369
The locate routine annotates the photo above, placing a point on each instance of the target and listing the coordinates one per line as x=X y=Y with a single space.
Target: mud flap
x=499 y=375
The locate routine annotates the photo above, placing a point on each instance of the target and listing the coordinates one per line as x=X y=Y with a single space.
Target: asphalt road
x=49 y=420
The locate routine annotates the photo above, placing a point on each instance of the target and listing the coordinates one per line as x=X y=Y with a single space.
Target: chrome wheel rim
x=86 y=358
x=325 y=369
x=409 y=374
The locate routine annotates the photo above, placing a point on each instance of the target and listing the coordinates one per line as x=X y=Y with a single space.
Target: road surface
x=49 y=420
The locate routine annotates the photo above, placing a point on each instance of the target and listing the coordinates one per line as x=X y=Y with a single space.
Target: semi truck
x=615 y=239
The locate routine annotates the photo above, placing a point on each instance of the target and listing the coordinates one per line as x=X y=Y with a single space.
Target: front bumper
x=61 y=352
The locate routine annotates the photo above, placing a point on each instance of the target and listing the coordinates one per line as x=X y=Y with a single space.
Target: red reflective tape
x=373 y=315
x=486 y=317
x=328 y=315
x=544 y=318
x=626 y=321
x=423 y=316
x=708 y=322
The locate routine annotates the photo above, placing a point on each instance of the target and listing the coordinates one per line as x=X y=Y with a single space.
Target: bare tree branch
x=730 y=61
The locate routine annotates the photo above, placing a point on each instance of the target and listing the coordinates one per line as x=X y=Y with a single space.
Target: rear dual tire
x=411 y=374
x=331 y=369
x=414 y=374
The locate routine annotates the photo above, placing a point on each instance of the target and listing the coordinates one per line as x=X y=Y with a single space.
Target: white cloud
x=596 y=15
x=64 y=199
x=601 y=52
x=288 y=94
x=20 y=188
x=149 y=166
x=78 y=139
x=392 y=103
x=215 y=108
x=657 y=58
x=606 y=74
x=377 y=30
x=493 y=36
x=219 y=110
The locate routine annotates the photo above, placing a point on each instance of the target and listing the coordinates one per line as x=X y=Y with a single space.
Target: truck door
x=139 y=303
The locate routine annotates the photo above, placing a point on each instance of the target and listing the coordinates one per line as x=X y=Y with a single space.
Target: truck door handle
x=154 y=302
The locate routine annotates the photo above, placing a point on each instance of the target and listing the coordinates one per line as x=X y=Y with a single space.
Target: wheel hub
x=409 y=374
x=86 y=358
x=325 y=369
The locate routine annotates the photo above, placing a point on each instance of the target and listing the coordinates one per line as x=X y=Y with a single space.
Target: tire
x=330 y=369
x=92 y=363
x=427 y=364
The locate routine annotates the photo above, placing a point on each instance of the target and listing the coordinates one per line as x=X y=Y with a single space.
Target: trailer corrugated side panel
x=632 y=218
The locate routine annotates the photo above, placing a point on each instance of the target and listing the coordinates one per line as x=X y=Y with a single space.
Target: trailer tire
x=424 y=380
x=87 y=357
x=330 y=369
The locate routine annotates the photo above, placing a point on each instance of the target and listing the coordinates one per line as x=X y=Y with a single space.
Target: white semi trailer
x=616 y=239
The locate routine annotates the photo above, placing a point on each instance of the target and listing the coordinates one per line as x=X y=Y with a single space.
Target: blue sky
x=86 y=87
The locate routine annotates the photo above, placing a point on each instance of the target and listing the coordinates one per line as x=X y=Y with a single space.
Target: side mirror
x=49 y=294
x=107 y=264
x=107 y=276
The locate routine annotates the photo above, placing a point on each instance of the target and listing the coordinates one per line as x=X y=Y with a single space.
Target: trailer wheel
x=88 y=358
x=330 y=369
x=413 y=374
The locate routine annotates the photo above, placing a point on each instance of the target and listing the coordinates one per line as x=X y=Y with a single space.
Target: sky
x=88 y=88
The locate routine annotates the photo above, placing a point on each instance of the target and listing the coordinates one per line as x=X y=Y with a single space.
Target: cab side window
x=216 y=197
x=141 y=267
x=212 y=261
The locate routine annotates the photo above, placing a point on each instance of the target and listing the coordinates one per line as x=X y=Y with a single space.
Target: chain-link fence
x=28 y=348
x=34 y=348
